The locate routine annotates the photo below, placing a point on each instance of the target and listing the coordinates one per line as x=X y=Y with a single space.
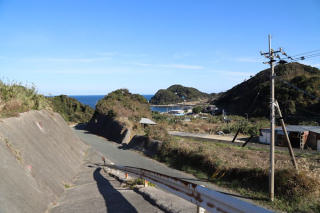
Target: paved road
x=126 y=157
x=95 y=191
x=123 y=157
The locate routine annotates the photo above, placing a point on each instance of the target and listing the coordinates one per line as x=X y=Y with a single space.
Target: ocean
x=92 y=100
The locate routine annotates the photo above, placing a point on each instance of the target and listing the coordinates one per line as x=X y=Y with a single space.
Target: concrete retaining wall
x=39 y=155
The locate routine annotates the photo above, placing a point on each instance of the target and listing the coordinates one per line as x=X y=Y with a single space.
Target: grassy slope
x=252 y=96
x=245 y=170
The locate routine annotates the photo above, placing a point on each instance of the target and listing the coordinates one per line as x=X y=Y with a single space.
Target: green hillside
x=176 y=94
x=71 y=109
x=297 y=91
x=117 y=115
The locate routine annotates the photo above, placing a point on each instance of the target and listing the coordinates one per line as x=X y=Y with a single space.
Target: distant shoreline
x=170 y=105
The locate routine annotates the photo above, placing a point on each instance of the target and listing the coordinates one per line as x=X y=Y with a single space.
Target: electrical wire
x=305 y=53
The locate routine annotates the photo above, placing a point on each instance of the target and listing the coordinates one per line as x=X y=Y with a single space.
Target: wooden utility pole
x=287 y=137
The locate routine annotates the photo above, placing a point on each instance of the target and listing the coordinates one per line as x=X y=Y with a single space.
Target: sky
x=86 y=47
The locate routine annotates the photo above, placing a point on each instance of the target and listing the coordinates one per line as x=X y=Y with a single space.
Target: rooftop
x=299 y=128
x=147 y=121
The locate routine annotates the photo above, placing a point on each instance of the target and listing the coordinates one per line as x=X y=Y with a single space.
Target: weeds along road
x=113 y=152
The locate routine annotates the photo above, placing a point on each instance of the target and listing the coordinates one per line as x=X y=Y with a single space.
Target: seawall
x=39 y=155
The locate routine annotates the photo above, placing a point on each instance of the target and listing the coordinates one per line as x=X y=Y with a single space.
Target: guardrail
x=201 y=196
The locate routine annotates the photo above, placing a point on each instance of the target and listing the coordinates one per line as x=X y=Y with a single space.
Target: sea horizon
x=92 y=100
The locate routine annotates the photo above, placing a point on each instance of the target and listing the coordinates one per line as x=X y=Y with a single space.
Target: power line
x=297 y=57
x=305 y=53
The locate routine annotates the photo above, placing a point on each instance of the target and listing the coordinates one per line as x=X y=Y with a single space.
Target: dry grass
x=211 y=124
x=246 y=171
x=15 y=98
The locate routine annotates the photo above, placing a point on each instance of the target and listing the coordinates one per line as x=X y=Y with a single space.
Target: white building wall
x=264 y=136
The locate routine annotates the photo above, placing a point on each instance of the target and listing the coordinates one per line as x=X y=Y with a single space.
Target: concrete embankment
x=39 y=156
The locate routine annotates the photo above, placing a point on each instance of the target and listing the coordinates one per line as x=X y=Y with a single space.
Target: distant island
x=178 y=94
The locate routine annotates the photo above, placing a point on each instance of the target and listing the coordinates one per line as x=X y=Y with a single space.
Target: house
x=146 y=121
x=300 y=136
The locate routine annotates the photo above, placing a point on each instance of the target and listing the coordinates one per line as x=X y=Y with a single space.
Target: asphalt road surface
x=125 y=157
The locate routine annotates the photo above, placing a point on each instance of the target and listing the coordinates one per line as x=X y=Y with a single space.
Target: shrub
x=71 y=109
x=15 y=98
x=197 y=109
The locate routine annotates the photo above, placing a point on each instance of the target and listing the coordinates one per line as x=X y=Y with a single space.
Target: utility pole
x=271 y=56
x=272 y=122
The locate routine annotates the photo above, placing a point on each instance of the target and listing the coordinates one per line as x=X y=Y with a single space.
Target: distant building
x=146 y=121
x=300 y=136
x=176 y=112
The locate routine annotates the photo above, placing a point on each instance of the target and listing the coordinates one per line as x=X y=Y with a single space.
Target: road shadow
x=114 y=200
x=80 y=126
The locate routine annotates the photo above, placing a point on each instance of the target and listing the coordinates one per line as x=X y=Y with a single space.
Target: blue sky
x=94 y=46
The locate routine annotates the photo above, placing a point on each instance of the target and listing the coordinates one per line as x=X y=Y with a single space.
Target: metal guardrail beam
x=208 y=199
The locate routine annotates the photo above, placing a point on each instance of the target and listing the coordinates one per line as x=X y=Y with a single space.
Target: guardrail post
x=200 y=209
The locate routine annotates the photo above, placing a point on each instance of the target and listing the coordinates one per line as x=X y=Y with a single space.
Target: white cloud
x=67 y=60
x=315 y=65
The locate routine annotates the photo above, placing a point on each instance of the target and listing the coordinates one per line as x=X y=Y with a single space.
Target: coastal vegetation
x=16 y=98
x=177 y=94
x=121 y=103
x=71 y=109
x=117 y=117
